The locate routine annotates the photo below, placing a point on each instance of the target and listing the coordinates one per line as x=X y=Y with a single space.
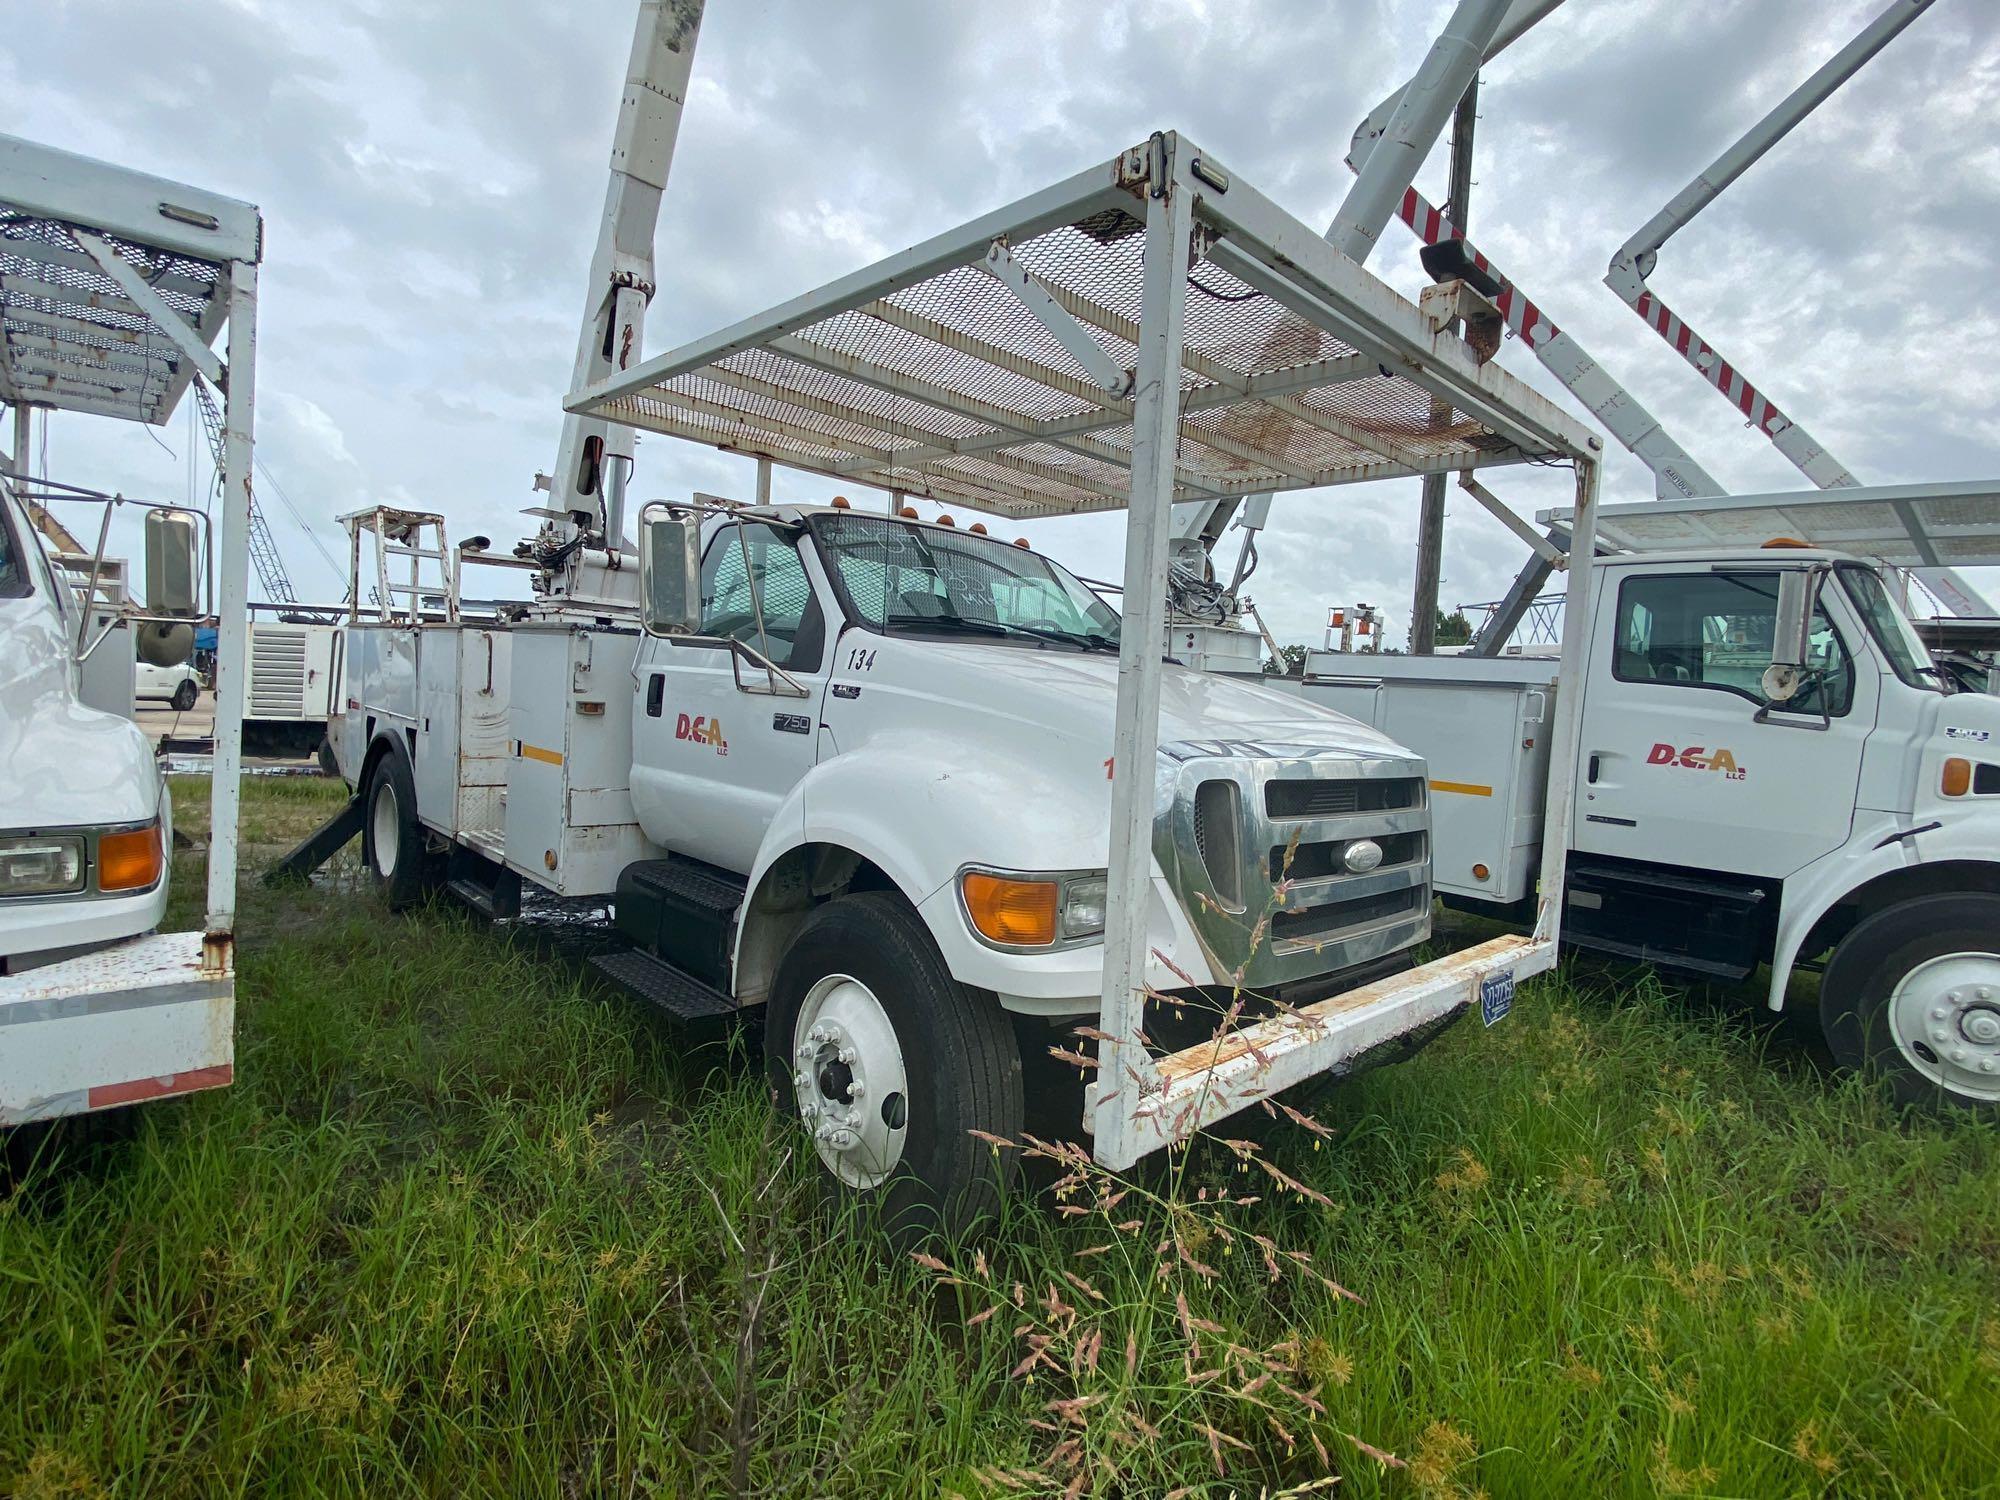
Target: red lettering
x=682 y=729
x=1660 y=755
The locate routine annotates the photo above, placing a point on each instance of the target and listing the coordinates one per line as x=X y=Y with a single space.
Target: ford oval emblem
x=1361 y=856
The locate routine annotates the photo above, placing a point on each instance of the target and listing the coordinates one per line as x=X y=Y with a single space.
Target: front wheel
x=1913 y=994
x=891 y=1064
x=184 y=697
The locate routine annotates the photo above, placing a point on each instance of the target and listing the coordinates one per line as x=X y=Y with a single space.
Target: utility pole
x=1430 y=518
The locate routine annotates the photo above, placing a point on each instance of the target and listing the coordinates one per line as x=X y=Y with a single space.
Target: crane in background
x=1449 y=255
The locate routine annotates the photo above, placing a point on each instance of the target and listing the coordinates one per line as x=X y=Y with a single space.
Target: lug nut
x=856 y=1089
x=1939 y=1013
x=847 y=1055
x=1958 y=1054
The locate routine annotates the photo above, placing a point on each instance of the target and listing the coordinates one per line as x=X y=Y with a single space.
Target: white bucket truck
x=909 y=789
x=1771 y=770
x=113 y=288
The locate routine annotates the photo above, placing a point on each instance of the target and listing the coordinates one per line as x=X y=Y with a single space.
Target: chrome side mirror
x=670 y=572
x=173 y=586
x=1798 y=593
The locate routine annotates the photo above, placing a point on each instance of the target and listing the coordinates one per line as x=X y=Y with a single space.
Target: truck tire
x=890 y=1064
x=392 y=840
x=1913 y=995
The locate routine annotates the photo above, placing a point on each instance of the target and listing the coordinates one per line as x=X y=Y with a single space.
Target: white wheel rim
x=386 y=827
x=1945 y=1017
x=848 y=1075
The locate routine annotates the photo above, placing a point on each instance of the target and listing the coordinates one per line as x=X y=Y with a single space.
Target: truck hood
x=1077 y=695
x=61 y=764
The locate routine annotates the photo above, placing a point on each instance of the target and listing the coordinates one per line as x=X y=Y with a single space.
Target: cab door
x=715 y=748
x=1675 y=766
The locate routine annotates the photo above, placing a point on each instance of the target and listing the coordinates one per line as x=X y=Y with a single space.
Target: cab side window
x=1714 y=631
x=763 y=558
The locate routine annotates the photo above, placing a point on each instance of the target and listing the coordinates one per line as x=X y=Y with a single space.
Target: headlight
x=45 y=866
x=1031 y=910
x=1083 y=906
x=106 y=861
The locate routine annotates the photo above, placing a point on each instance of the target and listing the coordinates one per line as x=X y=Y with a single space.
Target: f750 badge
x=1697 y=758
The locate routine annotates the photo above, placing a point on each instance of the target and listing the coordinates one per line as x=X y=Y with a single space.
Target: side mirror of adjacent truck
x=1798 y=593
x=173 y=586
x=670 y=572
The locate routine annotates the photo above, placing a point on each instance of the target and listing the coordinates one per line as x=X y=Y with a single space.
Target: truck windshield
x=921 y=580
x=1894 y=635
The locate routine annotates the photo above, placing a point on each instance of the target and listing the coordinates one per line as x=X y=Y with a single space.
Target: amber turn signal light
x=1957 y=779
x=128 y=861
x=1017 y=912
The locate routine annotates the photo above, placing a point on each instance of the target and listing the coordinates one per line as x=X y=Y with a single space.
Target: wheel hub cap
x=850 y=1080
x=388 y=831
x=1945 y=1017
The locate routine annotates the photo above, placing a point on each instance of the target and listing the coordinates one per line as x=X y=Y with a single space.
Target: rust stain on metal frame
x=1288 y=1030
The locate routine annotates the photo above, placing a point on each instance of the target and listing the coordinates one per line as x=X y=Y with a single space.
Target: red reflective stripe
x=105 y=1094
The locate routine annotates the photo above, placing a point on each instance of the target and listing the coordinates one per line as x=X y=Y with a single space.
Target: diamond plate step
x=660 y=983
x=688 y=882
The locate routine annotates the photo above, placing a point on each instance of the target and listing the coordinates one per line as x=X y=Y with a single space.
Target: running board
x=659 y=983
x=1189 y=1090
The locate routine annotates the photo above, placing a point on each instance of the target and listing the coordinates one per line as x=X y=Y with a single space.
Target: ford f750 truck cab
x=869 y=793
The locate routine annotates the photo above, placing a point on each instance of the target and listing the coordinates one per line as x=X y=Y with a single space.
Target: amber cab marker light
x=1018 y=912
x=1020 y=541
x=128 y=861
x=840 y=503
x=976 y=529
x=946 y=521
x=908 y=513
x=1957 y=779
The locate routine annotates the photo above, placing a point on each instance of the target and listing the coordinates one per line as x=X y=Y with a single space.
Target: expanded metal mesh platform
x=1954 y=524
x=931 y=374
x=72 y=333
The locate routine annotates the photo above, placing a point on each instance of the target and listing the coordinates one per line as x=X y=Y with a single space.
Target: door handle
x=1591 y=777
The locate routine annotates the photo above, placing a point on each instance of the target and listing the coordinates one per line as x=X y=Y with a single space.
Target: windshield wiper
x=973 y=626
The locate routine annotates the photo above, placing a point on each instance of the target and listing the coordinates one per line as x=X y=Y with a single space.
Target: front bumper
x=139 y=1020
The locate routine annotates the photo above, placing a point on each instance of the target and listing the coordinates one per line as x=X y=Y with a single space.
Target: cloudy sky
x=430 y=174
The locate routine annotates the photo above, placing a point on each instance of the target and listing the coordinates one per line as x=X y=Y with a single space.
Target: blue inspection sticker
x=1496 y=996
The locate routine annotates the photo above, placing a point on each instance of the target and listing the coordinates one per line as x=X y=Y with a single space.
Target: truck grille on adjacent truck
x=1320 y=855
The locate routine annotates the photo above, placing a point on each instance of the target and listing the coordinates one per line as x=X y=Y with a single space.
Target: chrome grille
x=1237 y=810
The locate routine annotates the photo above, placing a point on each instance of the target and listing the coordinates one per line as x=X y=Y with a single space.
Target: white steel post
x=1122 y=1061
x=24 y=431
x=232 y=614
x=763 y=481
x=1560 y=812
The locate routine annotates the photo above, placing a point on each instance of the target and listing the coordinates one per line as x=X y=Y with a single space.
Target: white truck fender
x=913 y=808
x=1881 y=844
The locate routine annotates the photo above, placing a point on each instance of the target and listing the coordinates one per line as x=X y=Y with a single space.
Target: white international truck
x=1841 y=806
x=114 y=286
x=906 y=788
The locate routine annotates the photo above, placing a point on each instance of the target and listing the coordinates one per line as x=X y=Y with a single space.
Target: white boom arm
x=593 y=458
x=1389 y=162
x=1636 y=258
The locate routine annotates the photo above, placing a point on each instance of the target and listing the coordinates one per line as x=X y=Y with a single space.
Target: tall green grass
x=467 y=1225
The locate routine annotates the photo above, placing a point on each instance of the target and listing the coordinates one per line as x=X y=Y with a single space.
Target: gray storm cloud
x=430 y=175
